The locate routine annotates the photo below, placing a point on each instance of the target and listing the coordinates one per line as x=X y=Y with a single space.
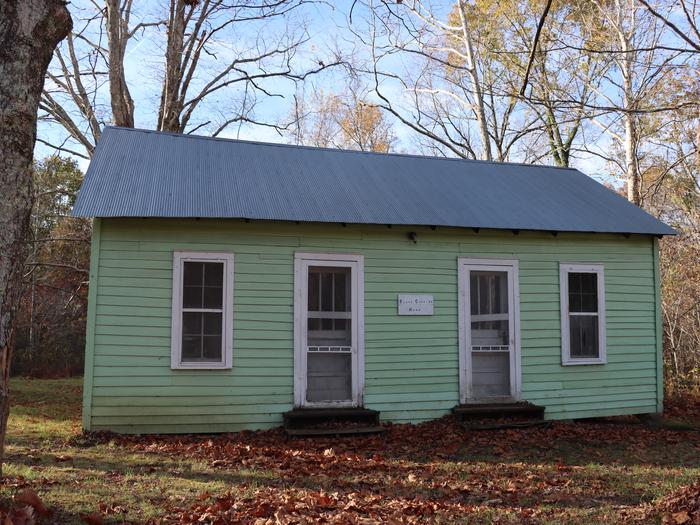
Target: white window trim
x=302 y=261
x=464 y=265
x=564 y=270
x=179 y=257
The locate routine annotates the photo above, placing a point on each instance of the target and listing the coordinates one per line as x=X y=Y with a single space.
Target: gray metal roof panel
x=138 y=173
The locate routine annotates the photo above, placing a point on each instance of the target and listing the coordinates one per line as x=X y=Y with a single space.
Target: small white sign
x=415 y=304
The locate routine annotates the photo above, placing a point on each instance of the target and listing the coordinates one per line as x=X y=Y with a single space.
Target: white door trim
x=302 y=261
x=464 y=264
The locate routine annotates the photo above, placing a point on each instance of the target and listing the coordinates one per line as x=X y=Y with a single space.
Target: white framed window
x=202 y=313
x=582 y=297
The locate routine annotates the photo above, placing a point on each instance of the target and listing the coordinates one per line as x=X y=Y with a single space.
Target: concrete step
x=328 y=421
x=516 y=410
x=309 y=432
x=481 y=424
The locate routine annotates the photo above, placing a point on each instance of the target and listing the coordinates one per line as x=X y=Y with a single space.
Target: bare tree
x=443 y=80
x=464 y=84
x=219 y=59
x=29 y=32
x=466 y=52
x=642 y=65
x=561 y=77
x=623 y=20
x=82 y=66
x=689 y=35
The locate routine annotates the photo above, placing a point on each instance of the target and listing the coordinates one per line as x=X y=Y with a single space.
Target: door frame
x=464 y=264
x=302 y=261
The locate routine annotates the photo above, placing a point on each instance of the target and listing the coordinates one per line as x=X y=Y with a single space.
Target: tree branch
x=533 y=49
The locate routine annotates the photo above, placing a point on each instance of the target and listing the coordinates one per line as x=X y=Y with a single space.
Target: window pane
x=341 y=292
x=341 y=335
x=326 y=292
x=193 y=273
x=213 y=297
x=191 y=347
x=488 y=292
x=214 y=274
x=329 y=289
x=211 y=323
x=584 y=336
x=191 y=323
x=574 y=292
x=329 y=376
x=201 y=336
x=589 y=293
x=211 y=348
x=490 y=333
x=589 y=283
x=203 y=285
x=192 y=297
x=314 y=283
x=490 y=374
x=474 y=293
x=583 y=292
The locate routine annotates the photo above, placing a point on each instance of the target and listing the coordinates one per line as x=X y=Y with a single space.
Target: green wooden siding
x=411 y=363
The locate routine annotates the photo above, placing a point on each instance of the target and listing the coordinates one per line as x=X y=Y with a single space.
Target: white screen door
x=489 y=342
x=328 y=332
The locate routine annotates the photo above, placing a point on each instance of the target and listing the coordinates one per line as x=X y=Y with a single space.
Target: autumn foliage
x=680 y=507
x=437 y=472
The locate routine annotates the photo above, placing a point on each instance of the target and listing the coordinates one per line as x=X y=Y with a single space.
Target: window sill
x=576 y=362
x=201 y=366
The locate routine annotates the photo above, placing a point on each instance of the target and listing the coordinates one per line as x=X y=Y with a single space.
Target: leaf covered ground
x=437 y=472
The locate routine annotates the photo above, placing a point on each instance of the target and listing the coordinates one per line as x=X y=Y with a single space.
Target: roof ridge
x=338 y=150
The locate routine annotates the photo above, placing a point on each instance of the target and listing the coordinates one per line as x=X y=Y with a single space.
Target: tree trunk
x=117 y=35
x=634 y=190
x=633 y=178
x=697 y=140
x=30 y=30
x=629 y=118
x=476 y=85
x=171 y=101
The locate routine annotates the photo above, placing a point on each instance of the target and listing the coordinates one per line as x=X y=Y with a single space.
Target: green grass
x=570 y=473
x=45 y=421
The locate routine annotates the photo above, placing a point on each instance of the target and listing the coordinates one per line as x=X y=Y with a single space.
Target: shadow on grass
x=466 y=478
x=581 y=467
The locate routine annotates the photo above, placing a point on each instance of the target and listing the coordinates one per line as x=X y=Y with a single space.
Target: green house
x=232 y=282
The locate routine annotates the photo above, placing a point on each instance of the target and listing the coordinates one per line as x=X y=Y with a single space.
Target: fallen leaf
x=92 y=519
x=21 y=516
x=324 y=500
x=29 y=497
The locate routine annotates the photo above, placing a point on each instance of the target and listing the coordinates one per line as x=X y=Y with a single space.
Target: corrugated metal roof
x=137 y=173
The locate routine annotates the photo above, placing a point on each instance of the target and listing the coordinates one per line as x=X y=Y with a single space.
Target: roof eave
x=658 y=233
